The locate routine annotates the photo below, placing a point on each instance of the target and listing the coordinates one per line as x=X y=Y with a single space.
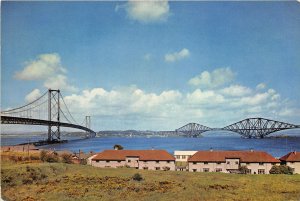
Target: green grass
x=59 y=181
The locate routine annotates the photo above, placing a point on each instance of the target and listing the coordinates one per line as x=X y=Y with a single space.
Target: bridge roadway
x=29 y=121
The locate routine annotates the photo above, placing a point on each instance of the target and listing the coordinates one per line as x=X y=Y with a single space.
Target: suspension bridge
x=248 y=128
x=49 y=110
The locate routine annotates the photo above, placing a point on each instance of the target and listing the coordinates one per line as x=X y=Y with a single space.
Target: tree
x=118 y=147
x=281 y=169
x=137 y=177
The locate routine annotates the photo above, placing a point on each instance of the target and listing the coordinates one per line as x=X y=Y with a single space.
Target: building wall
x=224 y=167
x=112 y=164
x=295 y=165
x=183 y=156
x=150 y=165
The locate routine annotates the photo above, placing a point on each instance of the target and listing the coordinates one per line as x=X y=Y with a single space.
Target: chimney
x=211 y=149
x=251 y=149
x=295 y=152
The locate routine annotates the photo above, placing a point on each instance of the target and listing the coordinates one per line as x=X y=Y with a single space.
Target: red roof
x=144 y=155
x=244 y=156
x=291 y=157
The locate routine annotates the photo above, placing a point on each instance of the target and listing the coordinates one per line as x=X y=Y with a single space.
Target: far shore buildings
x=257 y=162
x=292 y=160
x=139 y=159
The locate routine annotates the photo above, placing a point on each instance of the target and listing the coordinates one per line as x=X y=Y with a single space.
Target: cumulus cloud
x=172 y=57
x=45 y=65
x=33 y=95
x=236 y=90
x=133 y=107
x=147 y=11
x=261 y=86
x=213 y=79
x=48 y=68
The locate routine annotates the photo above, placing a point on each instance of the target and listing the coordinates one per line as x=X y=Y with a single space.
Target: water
x=275 y=146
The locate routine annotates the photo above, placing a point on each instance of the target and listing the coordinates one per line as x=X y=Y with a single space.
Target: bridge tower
x=54 y=115
x=88 y=122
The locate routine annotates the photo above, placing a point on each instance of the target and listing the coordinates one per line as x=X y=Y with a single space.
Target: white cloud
x=215 y=79
x=236 y=90
x=58 y=82
x=147 y=11
x=134 y=108
x=44 y=66
x=172 y=57
x=48 y=68
x=33 y=95
x=261 y=86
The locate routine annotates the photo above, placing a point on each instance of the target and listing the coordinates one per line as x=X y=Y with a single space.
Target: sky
x=155 y=65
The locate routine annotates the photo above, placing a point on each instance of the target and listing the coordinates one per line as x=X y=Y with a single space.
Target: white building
x=256 y=162
x=183 y=156
x=292 y=160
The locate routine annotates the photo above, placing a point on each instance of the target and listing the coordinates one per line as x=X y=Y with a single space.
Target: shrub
x=33 y=157
x=52 y=158
x=49 y=157
x=243 y=169
x=66 y=158
x=43 y=155
x=83 y=162
x=118 y=147
x=165 y=168
x=137 y=177
x=281 y=169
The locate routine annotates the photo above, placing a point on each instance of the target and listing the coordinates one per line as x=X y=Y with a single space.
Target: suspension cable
x=26 y=104
x=68 y=109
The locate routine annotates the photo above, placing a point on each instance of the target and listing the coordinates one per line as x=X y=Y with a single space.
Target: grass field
x=60 y=181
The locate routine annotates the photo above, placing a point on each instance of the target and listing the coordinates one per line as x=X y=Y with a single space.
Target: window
x=261 y=171
x=157 y=161
x=168 y=161
x=119 y=161
x=183 y=157
x=107 y=161
x=157 y=168
x=205 y=169
x=145 y=168
x=261 y=163
x=218 y=169
x=205 y=163
x=178 y=157
x=145 y=161
x=194 y=163
x=97 y=161
x=228 y=162
x=218 y=163
x=247 y=163
x=129 y=161
x=273 y=163
x=194 y=170
x=236 y=162
x=248 y=171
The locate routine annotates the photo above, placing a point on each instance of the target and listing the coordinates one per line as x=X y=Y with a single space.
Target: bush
x=33 y=157
x=118 y=147
x=66 y=158
x=243 y=169
x=165 y=168
x=137 y=177
x=83 y=162
x=43 y=155
x=49 y=157
x=281 y=169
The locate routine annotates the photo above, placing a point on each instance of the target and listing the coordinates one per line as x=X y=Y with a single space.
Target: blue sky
x=137 y=65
